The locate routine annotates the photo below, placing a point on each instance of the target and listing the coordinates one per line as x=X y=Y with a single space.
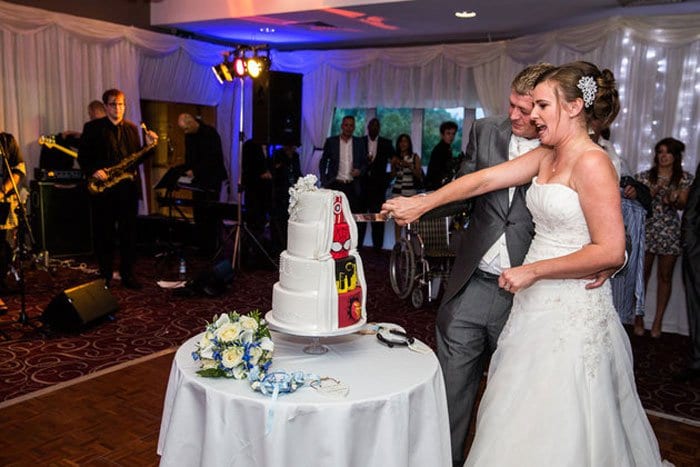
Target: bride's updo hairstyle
x=583 y=80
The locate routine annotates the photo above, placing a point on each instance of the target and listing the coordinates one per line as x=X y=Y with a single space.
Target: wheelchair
x=422 y=258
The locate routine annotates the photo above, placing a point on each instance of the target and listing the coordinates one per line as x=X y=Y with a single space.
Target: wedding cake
x=321 y=288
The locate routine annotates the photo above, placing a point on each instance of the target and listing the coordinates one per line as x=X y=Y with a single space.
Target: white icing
x=306 y=298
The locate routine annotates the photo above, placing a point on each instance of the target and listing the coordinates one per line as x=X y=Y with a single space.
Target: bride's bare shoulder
x=593 y=167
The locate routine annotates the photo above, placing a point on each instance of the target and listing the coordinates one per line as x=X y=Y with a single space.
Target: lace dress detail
x=561 y=388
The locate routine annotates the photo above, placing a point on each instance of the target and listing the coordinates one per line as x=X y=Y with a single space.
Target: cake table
x=394 y=415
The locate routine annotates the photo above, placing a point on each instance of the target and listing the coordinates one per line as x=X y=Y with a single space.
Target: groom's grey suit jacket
x=491 y=215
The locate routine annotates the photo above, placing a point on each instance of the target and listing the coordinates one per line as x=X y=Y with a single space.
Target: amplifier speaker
x=76 y=307
x=61 y=217
x=277 y=108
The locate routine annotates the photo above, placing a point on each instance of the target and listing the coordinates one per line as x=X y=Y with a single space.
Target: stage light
x=251 y=61
x=222 y=73
x=257 y=65
x=239 y=67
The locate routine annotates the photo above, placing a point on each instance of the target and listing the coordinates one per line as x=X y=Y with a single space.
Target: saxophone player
x=104 y=143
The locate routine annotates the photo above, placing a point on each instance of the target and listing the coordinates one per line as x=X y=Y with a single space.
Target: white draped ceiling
x=54 y=64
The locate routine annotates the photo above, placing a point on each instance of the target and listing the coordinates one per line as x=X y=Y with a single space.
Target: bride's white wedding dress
x=561 y=390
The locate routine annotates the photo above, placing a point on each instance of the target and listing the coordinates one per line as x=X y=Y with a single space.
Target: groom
x=474 y=309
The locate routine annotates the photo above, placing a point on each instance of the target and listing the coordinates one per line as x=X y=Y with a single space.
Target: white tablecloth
x=395 y=413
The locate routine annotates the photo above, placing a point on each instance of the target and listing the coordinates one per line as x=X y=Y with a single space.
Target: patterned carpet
x=153 y=319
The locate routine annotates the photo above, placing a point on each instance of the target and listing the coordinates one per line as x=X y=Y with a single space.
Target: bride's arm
x=594 y=179
x=512 y=173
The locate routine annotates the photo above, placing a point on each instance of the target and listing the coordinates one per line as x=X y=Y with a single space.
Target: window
x=422 y=124
x=394 y=122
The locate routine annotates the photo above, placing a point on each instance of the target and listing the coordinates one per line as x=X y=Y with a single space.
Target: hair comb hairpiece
x=589 y=89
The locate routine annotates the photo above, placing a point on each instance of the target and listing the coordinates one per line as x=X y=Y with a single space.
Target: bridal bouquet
x=235 y=345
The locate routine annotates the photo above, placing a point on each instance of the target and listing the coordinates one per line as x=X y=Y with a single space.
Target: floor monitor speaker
x=277 y=108
x=76 y=307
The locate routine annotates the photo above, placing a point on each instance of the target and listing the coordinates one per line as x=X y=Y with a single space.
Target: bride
x=561 y=387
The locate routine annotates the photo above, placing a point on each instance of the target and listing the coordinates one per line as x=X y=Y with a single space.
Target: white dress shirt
x=345 y=162
x=496 y=258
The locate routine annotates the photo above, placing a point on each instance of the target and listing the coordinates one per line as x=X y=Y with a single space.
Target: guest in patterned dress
x=669 y=185
x=406 y=171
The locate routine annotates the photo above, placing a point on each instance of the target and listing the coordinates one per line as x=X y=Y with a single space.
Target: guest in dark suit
x=104 y=143
x=204 y=162
x=375 y=181
x=343 y=162
x=690 y=231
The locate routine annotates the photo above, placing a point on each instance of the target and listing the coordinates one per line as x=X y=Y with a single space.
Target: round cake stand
x=315 y=348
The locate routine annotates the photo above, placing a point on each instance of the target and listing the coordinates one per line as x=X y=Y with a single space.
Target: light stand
x=242 y=65
x=240 y=223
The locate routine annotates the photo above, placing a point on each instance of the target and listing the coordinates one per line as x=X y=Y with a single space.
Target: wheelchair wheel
x=417 y=297
x=402 y=268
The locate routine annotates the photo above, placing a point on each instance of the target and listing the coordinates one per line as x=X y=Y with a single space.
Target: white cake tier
x=310 y=232
x=306 y=299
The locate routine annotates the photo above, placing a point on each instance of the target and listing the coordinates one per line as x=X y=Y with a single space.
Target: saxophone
x=119 y=172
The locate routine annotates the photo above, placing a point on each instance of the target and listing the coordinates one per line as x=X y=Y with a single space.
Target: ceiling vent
x=316 y=25
x=647 y=2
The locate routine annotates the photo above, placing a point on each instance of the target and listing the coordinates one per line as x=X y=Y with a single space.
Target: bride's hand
x=518 y=278
x=404 y=210
x=599 y=278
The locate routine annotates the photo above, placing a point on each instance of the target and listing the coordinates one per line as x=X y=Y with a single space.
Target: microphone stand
x=23 y=229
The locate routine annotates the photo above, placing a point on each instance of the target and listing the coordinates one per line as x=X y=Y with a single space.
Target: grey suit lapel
x=499 y=155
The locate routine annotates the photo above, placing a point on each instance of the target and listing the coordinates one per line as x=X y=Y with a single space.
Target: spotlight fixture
x=239 y=67
x=257 y=65
x=253 y=61
x=222 y=71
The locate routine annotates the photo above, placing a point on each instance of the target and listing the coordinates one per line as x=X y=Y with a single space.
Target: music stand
x=170 y=181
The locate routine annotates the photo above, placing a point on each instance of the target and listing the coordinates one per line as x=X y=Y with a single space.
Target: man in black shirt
x=204 y=162
x=104 y=143
x=441 y=167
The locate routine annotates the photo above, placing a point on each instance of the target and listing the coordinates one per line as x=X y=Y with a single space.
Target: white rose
x=208 y=363
x=228 y=332
x=248 y=323
x=239 y=372
x=206 y=347
x=255 y=354
x=232 y=357
x=267 y=344
x=223 y=319
x=247 y=336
